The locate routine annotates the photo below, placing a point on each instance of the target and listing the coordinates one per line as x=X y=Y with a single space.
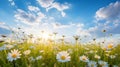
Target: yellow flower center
x=104 y=49
x=14 y=55
x=63 y=57
x=102 y=64
x=110 y=46
x=84 y=58
x=92 y=65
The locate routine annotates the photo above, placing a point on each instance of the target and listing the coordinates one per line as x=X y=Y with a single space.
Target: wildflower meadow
x=59 y=33
x=52 y=53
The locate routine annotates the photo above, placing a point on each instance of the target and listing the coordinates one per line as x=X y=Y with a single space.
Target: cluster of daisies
x=64 y=56
x=61 y=56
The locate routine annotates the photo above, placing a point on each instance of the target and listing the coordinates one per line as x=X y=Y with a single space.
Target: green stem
x=14 y=63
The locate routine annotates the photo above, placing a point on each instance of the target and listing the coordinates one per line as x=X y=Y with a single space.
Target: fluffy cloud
x=4 y=26
x=83 y=32
x=45 y=3
x=12 y=2
x=33 y=8
x=4 y=29
x=34 y=15
x=108 y=18
x=1 y=23
x=59 y=25
x=59 y=7
x=49 y=4
x=110 y=13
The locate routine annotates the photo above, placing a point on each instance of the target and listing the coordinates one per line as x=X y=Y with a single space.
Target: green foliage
x=49 y=51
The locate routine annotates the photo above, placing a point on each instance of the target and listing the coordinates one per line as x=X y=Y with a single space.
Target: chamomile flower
x=9 y=46
x=104 y=48
x=6 y=47
x=27 y=52
x=115 y=66
x=97 y=56
x=91 y=51
x=2 y=48
x=38 y=57
x=41 y=51
x=107 y=55
x=84 y=58
x=92 y=64
x=110 y=46
x=13 y=55
x=112 y=56
x=63 y=56
x=103 y=63
x=31 y=59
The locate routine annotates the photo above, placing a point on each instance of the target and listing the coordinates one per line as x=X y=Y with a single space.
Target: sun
x=45 y=35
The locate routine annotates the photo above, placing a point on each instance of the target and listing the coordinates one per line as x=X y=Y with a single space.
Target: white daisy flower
x=31 y=59
x=97 y=56
x=63 y=56
x=41 y=51
x=32 y=47
x=104 y=48
x=92 y=64
x=84 y=58
x=9 y=46
x=87 y=49
x=39 y=57
x=103 y=63
x=91 y=51
x=110 y=46
x=2 y=48
x=13 y=55
x=112 y=56
x=115 y=66
x=27 y=52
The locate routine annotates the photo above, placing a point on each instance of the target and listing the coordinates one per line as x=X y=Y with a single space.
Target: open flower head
x=38 y=57
x=115 y=66
x=9 y=46
x=110 y=46
x=84 y=58
x=63 y=56
x=112 y=56
x=27 y=52
x=103 y=63
x=13 y=55
x=92 y=64
x=97 y=56
x=104 y=48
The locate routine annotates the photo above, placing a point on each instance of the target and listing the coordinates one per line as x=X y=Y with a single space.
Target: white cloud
x=29 y=17
x=60 y=7
x=83 y=32
x=109 y=13
x=63 y=13
x=12 y=2
x=45 y=3
x=1 y=23
x=4 y=26
x=59 y=25
x=49 y=4
x=33 y=8
x=108 y=18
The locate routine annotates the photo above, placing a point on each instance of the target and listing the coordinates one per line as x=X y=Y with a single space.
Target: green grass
x=50 y=51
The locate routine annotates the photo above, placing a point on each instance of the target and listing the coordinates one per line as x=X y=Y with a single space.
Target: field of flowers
x=58 y=54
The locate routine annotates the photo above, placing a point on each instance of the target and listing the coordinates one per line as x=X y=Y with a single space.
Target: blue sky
x=68 y=17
